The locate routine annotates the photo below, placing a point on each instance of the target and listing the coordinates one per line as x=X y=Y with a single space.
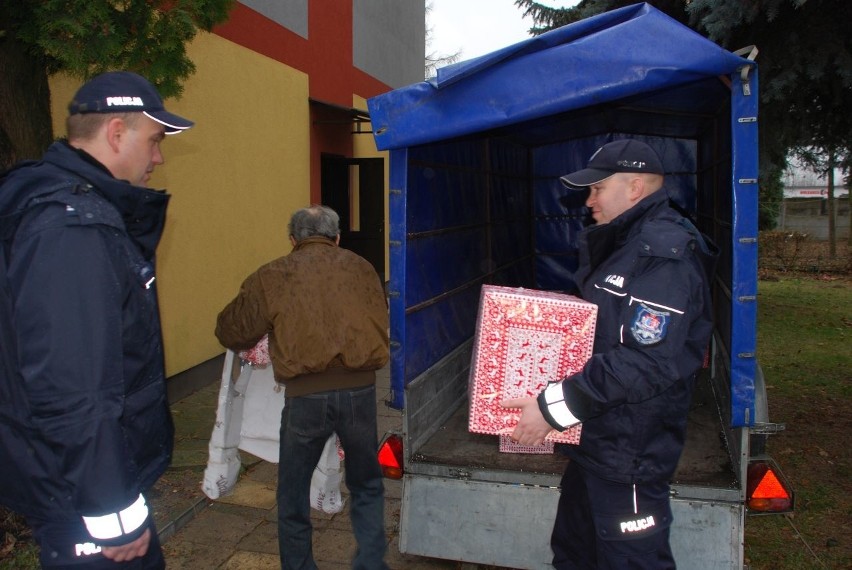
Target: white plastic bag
x=325 y=482
x=223 y=464
x=248 y=418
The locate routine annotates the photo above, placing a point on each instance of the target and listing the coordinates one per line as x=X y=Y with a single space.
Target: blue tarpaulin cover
x=476 y=153
x=617 y=54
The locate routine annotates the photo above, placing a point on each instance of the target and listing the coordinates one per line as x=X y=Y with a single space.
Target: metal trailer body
x=475 y=156
x=457 y=484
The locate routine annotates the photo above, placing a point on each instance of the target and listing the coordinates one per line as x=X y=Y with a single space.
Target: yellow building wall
x=235 y=179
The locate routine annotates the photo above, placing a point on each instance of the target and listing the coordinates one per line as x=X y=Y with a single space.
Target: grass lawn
x=805 y=349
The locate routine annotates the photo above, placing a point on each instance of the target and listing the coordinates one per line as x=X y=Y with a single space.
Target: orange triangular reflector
x=388 y=458
x=770 y=488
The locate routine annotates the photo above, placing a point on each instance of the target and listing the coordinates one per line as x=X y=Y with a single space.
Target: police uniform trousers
x=605 y=525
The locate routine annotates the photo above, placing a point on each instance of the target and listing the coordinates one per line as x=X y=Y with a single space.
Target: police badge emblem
x=649 y=326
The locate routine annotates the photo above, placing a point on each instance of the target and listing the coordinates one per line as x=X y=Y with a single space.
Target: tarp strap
x=750 y=53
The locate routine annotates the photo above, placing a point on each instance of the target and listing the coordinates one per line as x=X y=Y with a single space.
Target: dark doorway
x=354 y=188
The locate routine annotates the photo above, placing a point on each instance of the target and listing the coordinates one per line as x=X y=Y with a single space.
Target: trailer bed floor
x=705 y=460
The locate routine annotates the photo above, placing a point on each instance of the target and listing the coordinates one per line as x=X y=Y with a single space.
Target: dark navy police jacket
x=85 y=426
x=648 y=271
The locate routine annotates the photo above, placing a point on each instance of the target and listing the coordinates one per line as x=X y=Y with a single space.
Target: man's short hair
x=85 y=126
x=314 y=221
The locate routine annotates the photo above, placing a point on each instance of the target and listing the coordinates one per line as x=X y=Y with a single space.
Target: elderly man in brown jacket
x=325 y=311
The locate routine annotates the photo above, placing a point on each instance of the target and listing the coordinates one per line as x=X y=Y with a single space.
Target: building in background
x=805 y=205
x=279 y=100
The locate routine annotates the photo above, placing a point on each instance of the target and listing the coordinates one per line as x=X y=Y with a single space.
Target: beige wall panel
x=234 y=178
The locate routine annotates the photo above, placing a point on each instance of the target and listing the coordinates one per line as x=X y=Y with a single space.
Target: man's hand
x=128 y=551
x=532 y=427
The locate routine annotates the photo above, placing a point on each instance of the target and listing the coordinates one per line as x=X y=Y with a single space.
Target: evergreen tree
x=84 y=38
x=805 y=68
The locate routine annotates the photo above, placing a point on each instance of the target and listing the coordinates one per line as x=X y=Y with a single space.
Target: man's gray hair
x=314 y=221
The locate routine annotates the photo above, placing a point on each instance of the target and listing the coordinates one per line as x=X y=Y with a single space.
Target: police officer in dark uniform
x=647 y=269
x=85 y=426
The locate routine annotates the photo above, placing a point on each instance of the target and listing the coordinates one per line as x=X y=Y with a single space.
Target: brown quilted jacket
x=325 y=311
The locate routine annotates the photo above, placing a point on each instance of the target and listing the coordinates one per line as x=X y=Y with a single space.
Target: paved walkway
x=239 y=532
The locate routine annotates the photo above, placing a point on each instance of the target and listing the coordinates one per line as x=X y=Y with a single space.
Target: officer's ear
x=636 y=188
x=116 y=130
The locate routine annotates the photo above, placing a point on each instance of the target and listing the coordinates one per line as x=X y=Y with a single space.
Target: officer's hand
x=130 y=550
x=532 y=427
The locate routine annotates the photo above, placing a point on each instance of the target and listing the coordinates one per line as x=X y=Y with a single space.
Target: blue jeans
x=306 y=424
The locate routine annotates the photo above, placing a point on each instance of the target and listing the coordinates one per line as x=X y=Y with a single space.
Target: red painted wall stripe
x=326 y=56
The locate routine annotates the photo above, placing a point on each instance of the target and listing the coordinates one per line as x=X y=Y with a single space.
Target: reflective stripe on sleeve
x=556 y=406
x=113 y=525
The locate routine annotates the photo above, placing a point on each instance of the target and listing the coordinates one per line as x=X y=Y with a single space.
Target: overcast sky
x=477 y=27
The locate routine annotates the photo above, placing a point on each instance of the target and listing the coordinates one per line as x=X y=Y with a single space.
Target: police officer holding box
x=648 y=269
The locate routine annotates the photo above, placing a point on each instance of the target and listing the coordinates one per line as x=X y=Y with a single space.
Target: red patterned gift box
x=258 y=356
x=509 y=446
x=525 y=338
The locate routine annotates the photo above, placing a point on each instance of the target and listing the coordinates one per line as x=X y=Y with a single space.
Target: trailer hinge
x=395 y=344
x=394 y=242
x=393 y=294
x=748 y=240
x=747 y=120
x=745 y=355
x=767 y=428
x=746 y=298
x=460 y=473
x=747 y=180
x=395 y=191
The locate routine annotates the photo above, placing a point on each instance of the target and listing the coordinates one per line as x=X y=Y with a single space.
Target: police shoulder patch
x=649 y=326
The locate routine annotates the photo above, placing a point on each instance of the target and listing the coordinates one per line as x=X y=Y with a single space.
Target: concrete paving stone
x=175 y=493
x=219 y=527
x=252 y=561
x=386 y=425
x=393 y=488
x=392 y=515
x=383 y=407
x=237 y=510
x=341 y=522
x=249 y=461
x=184 y=555
x=196 y=418
x=333 y=545
x=250 y=493
x=321 y=519
x=263 y=472
x=393 y=419
x=263 y=539
x=190 y=454
x=398 y=561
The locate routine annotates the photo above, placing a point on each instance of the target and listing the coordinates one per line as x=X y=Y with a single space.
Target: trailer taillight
x=767 y=491
x=390 y=456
